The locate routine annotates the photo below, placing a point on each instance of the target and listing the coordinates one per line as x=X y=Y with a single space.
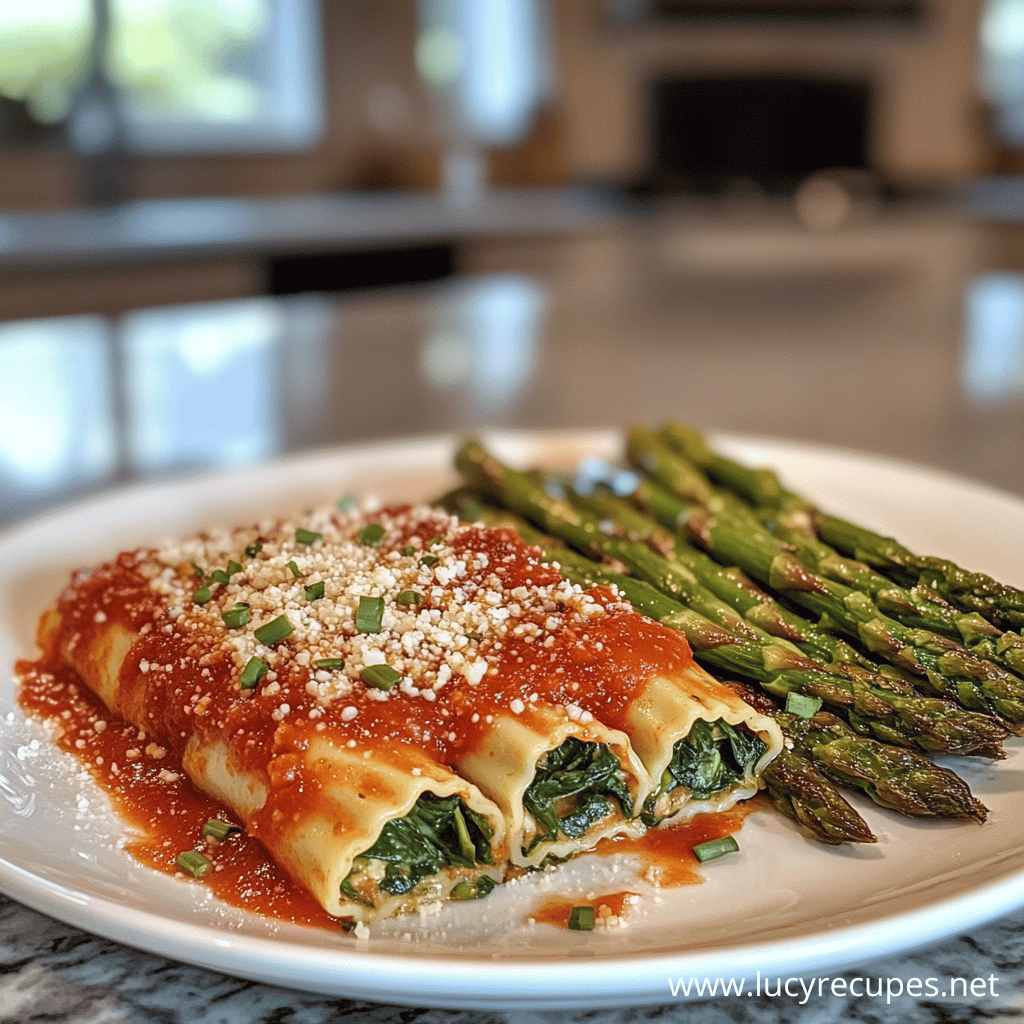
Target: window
x=1002 y=66
x=491 y=58
x=44 y=52
x=189 y=75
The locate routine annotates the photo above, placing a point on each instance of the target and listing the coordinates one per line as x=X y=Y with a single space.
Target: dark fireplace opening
x=775 y=131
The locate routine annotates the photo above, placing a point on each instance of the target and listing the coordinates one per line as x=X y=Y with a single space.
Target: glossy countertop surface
x=896 y=335
x=901 y=335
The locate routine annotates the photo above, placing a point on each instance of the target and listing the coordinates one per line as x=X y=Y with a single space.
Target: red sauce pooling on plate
x=166 y=813
x=666 y=854
x=666 y=859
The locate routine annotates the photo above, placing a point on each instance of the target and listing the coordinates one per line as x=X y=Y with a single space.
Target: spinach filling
x=714 y=756
x=573 y=788
x=438 y=832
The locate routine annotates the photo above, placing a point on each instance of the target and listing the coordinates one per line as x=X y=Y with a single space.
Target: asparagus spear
x=891 y=776
x=730 y=584
x=888 y=775
x=928 y=723
x=527 y=495
x=646 y=450
x=736 y=588
x=944 y=666
x=760 y=487
x=799 y=791
x=916 y=606
x=908 y=607
x=1000 y=603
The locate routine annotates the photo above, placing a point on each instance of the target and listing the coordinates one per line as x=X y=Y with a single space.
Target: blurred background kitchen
x=235 y=228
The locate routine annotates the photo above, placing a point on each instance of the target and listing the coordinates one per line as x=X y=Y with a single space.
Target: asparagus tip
x=978 y=811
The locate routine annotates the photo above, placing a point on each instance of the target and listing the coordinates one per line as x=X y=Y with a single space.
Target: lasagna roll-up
x=564 y=782
x=700 y=744
x=704 y=746
x=370 y=830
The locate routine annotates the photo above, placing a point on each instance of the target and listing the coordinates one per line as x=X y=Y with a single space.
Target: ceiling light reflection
x=202 y=384
x=993 y=358
x=56 y=415
x=485 y=341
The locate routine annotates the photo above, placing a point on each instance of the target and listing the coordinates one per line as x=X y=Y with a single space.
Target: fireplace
x=681 y=93
x=709 y=131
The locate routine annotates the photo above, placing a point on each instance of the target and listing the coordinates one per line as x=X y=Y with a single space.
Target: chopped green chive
x=581 y=919
x=315 y=591
x=304 y=536
x=380 y=677
x=371 y=534
x=219 y=830
x=202 y=595
x=199 y=572
x=252 y=550
x=409 y=597
x=194 y=863
x=220 y=576
x=233 y=567
x=430 y=561
x=370 y=614
x=294 y=568
x=715 y=848
x=274 y=631
x=408 y=551
x=346 y=503
x=467 y=890
x=255 y=669
x=329 y=663
x=802 y=706
x=437 y=540
x=235 y=618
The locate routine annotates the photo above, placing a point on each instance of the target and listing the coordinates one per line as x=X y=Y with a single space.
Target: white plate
x=784 y=906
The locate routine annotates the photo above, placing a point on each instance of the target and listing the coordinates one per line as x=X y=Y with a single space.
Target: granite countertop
x=53 y=972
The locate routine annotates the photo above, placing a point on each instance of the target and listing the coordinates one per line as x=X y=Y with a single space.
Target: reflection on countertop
x=891 y=335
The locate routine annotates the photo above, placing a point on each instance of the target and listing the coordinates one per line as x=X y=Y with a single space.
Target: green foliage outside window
x=182 y=59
